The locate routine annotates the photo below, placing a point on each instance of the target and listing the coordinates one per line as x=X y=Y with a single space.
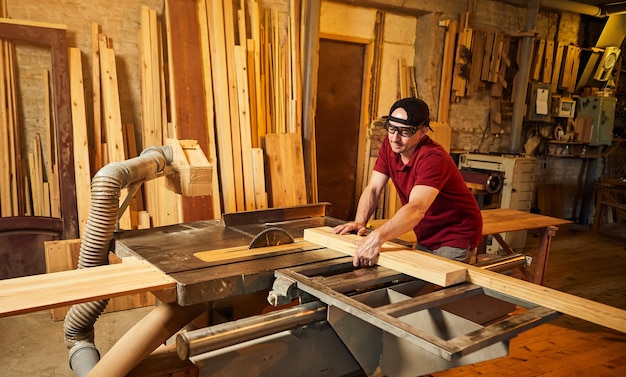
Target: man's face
x=401 y=144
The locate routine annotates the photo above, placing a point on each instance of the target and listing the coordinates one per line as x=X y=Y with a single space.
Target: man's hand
x=346 y=228
x=367 y=251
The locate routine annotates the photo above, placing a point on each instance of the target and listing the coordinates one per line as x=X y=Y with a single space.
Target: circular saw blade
x=271 y=237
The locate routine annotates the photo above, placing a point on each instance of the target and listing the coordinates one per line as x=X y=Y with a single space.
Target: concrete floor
x=32 y=344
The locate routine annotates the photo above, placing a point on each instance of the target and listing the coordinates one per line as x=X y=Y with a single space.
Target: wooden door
x=337 y=122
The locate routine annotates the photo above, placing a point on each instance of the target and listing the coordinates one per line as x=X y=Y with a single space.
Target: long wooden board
x=432 y=268
x=62 y=255
x=46 y=291
x=412 y=262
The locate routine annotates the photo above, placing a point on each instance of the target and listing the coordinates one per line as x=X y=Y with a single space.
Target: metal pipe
x=574 y=7
x=95 y=245
x=143 y=338
x=208 y=339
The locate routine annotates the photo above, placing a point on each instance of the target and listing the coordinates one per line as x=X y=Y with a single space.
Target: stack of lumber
x=29 y=183
x=481 y=59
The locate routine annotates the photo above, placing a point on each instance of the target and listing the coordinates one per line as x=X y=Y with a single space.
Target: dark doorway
x=337 y=122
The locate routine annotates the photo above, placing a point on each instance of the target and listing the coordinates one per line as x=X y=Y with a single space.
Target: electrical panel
x=602 y=112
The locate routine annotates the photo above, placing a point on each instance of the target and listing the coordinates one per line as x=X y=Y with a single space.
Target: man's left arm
x=405 y=219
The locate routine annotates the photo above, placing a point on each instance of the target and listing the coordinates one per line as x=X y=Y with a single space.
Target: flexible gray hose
x=94 y=248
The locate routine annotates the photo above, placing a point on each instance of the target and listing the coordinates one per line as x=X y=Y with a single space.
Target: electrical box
x=563 y=107
x=539 y=103
x=602 y=112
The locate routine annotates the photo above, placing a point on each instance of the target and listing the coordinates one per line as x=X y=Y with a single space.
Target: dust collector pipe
x=94 y=248
x=143 y=338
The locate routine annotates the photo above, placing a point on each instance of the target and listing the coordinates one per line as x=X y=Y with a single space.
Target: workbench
x=502 y=220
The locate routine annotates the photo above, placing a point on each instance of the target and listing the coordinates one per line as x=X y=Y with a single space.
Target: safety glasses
x=403 y=131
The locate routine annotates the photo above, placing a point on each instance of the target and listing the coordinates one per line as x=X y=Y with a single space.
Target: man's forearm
x=368 y=202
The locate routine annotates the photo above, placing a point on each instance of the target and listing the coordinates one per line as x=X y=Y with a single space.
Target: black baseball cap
x=416 y=110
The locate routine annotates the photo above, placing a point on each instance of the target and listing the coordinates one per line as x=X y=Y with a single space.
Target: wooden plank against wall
x=217 y=46
x=81 y=141
x=113 y=117
x=188 y=91
x=210 y=113
x=286 y=169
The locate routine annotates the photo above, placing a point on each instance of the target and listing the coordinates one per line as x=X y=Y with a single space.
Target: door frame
x=364 y=120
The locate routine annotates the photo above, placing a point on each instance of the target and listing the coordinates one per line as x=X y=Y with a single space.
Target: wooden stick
x=97 y=105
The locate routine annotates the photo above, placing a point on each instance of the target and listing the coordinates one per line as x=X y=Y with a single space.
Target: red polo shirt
x=454 y=218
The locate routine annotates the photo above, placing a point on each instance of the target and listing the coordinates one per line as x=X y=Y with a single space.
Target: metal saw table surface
x=171 y=249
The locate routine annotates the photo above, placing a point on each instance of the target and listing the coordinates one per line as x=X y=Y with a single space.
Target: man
x=436 y=202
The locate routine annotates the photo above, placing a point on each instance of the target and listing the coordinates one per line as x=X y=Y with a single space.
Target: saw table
x=412 y=314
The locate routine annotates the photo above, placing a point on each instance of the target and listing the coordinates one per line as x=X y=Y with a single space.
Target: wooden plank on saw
x=286 y=169
x=189 y=109
x=578 y=307
x=62 y=255
x=419 y=264
x=46 y=291
x=81 y=142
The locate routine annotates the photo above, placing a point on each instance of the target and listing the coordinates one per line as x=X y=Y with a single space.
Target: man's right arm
x=368 y=202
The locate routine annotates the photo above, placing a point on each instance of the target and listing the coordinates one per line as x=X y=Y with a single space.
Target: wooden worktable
x=502 y=220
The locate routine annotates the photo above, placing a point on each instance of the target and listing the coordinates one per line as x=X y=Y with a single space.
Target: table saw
x=335 y=320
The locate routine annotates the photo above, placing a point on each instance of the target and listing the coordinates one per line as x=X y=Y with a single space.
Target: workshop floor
x=581 y=263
